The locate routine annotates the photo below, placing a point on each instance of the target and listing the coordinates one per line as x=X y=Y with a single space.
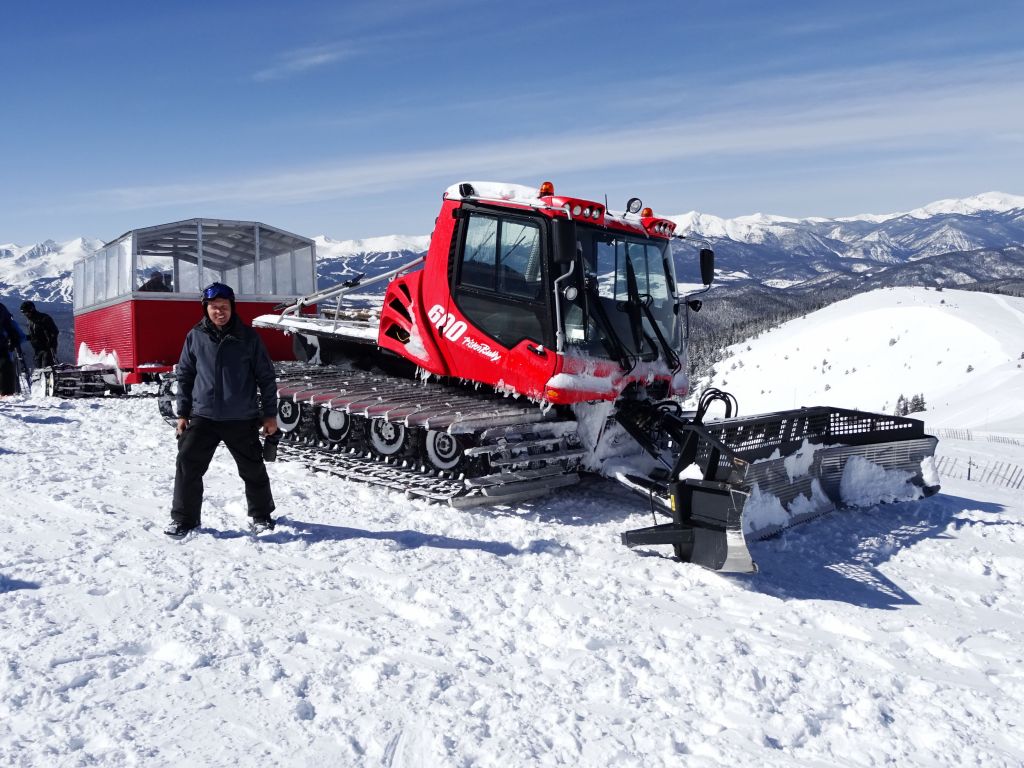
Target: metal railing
x=956 y=433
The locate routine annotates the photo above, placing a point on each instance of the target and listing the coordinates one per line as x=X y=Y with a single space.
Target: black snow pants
x=8 y=375
x=196 y=447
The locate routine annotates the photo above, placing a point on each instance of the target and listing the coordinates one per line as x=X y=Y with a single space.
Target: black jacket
x=42 y=331
x=220 y=372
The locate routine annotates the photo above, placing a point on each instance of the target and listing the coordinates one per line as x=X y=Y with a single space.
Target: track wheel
x=386 y=437
x=443 y=450
x=49 y=383
x=333 y=426
x=287 y=415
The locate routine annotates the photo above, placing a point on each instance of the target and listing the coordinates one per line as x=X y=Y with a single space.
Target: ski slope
x=370 y=629
x=962 y=350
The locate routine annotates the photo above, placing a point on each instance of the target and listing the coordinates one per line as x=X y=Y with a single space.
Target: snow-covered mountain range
x=781 y=251
x=42 y=272
x=772 y=250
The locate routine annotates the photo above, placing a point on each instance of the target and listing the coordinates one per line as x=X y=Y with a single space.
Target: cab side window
x=500 y=281
x=503 y=256
x=479 y=254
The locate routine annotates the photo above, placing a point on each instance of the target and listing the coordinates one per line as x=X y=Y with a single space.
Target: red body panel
x=405 y=328
x=152 y=331
x=444 y=341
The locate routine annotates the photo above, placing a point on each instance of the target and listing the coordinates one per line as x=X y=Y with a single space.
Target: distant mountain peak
x=997 y=202
x=327 y=247
x=42 y=271
x=735 y=228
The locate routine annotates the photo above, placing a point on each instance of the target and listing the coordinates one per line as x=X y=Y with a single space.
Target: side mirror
x=707 y=266
x=565 y=240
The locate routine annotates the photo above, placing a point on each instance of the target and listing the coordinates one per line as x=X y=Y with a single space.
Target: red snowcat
x=543 y=336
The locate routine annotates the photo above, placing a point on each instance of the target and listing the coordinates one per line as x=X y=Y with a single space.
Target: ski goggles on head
x=218 y=291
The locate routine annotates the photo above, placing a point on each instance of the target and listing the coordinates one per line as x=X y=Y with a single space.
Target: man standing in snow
x=42 y=333
x=223 y=364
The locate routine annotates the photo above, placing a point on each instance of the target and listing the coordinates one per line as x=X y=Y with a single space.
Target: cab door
x=502 y=331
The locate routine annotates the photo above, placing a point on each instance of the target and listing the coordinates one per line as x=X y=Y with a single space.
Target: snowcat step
x=511 y=461
x=514 y=476
x=529 y=489
x=498 y=448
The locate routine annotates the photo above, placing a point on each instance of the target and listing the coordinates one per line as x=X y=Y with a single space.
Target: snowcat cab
x=136 y=298
x=574 y=311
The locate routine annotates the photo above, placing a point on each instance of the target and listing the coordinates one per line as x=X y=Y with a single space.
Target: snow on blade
x=799 y=462
x=762 y=512
x=865 y=483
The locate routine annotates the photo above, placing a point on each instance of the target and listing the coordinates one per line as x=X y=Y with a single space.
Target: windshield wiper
x=670 y=354
x=609 y=338
x=637 y=306
x=633 y=307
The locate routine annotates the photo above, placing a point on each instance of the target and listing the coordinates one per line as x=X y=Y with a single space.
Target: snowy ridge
x=42 y=271
x=777 y=250
x=961 y=350
x=988 y=201
x=749 y=228
x=326 y=248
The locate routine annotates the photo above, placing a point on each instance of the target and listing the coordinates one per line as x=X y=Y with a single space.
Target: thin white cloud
x=874 y=112
x=305 y=59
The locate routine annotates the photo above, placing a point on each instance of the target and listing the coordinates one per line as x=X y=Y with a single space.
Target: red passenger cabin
x=137 y=296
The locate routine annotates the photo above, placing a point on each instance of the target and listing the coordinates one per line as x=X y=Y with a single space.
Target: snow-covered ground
x=370 y=630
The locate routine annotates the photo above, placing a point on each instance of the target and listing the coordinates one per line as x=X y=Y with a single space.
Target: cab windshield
x=621 y=273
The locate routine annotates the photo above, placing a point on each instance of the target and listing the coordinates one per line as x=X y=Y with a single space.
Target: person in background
x=42 y=334
x=157 y=282
x=10 y=343
x=223 y=365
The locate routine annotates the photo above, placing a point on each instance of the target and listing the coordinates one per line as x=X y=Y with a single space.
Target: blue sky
x=349 y=118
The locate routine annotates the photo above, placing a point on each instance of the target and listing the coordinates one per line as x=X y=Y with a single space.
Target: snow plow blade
x=759 y=475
